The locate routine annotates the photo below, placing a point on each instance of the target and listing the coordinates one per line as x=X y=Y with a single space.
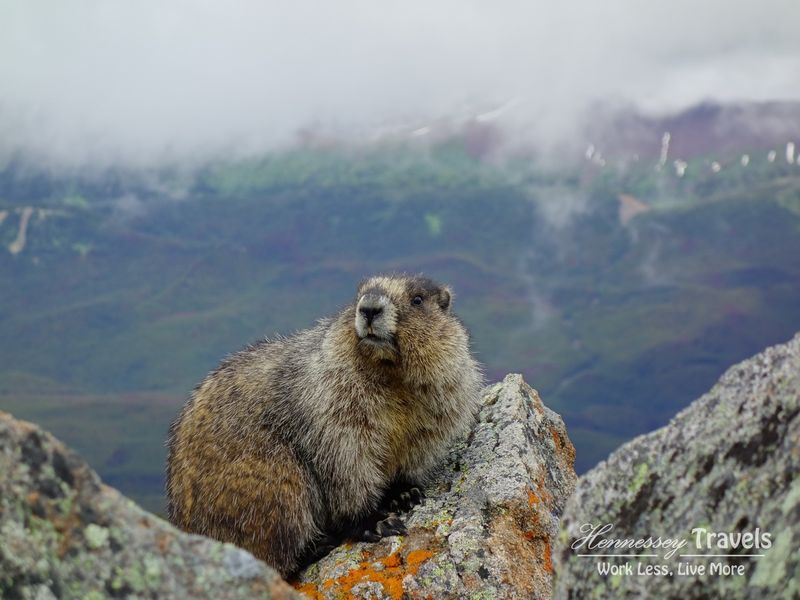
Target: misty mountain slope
x=129 y=291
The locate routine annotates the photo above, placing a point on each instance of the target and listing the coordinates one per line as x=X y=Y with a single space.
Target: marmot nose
x=370 y=312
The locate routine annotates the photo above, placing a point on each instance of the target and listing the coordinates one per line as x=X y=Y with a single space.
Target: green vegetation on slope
x=126 y=295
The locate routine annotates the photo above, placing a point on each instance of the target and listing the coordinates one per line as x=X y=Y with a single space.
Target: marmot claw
x=407 y=500
x=391 y=526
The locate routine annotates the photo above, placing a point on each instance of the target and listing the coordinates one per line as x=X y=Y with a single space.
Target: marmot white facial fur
x=293 y=443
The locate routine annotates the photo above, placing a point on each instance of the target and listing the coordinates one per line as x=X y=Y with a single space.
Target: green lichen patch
x=96 y=536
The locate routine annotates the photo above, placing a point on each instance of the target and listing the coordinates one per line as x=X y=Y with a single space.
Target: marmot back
x=293 y=443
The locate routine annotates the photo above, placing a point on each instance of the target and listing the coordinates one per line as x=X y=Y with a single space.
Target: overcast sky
x=142 y=80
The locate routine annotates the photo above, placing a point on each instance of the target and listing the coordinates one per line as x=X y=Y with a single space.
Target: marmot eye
x=417 y=300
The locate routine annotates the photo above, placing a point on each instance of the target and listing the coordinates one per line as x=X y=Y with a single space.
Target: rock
x=63 y=534
x=729 y=463
x=485 y=531
x=488 y=524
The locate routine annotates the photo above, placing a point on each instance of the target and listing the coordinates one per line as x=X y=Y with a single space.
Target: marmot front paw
x=391 y=525
x=405 y=500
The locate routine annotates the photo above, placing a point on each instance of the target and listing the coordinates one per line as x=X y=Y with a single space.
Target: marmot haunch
x=295 y=443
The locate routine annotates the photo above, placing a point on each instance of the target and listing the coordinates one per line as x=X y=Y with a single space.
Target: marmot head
x=407 y=322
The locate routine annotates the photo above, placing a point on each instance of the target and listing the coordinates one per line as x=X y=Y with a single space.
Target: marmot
x=293 y=444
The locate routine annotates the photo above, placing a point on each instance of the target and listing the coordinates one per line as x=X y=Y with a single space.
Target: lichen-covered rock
x=728 y=464
x=488 y=524
x=485 y=531
x=63 y=534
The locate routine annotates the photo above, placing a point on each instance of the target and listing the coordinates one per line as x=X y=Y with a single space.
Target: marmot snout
x=295 y=442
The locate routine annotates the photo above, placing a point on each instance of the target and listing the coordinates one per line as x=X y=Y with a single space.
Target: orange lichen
x=309 y=590
x=541 y=486
x=556 y=438
x=389 y=574
x=548 y=559
x=513 y=539
x=393 y=560
x=416 y=558
x=32 y=497
x=533 y=499
x=565 y=451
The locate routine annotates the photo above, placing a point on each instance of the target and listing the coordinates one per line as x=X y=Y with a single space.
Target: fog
x=145 y=82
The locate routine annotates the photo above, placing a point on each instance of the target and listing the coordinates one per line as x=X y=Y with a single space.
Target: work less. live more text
x=701 y=552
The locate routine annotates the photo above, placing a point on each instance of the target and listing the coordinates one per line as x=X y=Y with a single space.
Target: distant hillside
x=711 y=130
x=129 y=286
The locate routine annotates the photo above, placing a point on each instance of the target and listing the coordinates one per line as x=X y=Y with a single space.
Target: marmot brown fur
x=294 y=443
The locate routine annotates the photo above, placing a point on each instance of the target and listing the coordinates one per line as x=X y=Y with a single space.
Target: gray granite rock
x=63 y=534
x=729 y=463
x=485 y=531
x=488 y=525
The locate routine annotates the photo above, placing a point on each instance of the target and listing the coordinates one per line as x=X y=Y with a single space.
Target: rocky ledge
x=486 y=529
x=63 y=534
x=729 y=466
x=488 y=525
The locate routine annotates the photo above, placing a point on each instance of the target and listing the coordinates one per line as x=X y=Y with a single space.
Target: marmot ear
x=445 y=298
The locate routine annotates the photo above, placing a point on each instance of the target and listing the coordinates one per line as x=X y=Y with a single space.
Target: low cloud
x=141 y=83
